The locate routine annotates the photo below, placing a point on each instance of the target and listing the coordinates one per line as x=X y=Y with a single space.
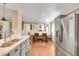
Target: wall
x=36 y=28
x=52 y=30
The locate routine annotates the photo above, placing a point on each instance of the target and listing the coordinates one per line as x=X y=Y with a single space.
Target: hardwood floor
x=42 y=49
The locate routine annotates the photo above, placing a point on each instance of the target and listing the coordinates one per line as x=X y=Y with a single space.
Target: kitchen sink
x=7 y=44
x=10 y=43
x=15 y=40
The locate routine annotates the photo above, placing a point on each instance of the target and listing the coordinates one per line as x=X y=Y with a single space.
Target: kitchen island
x=17 y=49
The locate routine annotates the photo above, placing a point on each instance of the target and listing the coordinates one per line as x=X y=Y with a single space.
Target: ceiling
x=39 y=12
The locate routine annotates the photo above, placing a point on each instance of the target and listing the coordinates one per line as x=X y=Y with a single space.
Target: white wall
x=52 y=30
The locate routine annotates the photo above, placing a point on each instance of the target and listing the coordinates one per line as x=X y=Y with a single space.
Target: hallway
x=42 y=49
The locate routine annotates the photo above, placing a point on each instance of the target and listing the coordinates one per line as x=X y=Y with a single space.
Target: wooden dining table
x=40 y=37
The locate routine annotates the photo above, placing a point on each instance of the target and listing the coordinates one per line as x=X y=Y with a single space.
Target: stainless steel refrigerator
x=67 y=34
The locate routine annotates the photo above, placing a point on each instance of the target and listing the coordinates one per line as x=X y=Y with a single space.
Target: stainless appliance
x=59 y=36
x=67 y=35
x=68 y=24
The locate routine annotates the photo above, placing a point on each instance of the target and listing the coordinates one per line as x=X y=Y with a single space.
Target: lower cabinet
x=15 y=52
x=20 y=50
x=23 y=49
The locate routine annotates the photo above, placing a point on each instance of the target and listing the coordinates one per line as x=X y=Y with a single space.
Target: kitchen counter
x=6 y=50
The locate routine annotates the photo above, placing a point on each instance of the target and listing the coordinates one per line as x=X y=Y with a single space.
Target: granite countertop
x=6 y=50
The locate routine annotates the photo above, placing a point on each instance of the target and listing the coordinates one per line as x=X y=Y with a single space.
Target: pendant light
x=3 y=18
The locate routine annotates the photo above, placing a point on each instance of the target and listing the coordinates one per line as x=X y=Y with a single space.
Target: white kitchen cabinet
x=23 y=49
x=15 y=52
x=19 y=50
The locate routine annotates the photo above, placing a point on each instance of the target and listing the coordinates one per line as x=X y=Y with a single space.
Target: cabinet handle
x=16 y=50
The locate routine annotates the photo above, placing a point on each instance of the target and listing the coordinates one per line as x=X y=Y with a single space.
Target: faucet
x=11 y=32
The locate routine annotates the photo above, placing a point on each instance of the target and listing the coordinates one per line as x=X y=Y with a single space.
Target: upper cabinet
x=17 y=22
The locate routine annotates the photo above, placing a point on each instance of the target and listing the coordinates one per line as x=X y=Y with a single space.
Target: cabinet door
x=15 y=52
x=6 y=54
x=23 y=49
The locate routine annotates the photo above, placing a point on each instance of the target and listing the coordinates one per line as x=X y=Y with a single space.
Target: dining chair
x=44 y=37
x=36 y=35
